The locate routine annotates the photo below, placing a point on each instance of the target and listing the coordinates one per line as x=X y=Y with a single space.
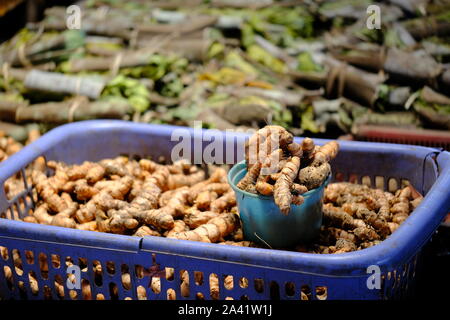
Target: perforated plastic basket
x=279 y=274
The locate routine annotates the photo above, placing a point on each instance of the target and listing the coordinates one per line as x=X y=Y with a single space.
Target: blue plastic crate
x=279 y=274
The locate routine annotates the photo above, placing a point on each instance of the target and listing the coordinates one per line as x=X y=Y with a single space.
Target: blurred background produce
x=311 y=66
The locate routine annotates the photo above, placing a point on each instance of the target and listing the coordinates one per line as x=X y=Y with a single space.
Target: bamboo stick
x=190 y=25
x=409 y=65
x=8 y=109
x=72 y=110
x=352 y=81
x=59 y=82
x=424 y=27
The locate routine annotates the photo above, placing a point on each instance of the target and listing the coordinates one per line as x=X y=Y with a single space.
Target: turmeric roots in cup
x=279 y=167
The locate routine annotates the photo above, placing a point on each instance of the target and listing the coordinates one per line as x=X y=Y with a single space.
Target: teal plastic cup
x=263 y=222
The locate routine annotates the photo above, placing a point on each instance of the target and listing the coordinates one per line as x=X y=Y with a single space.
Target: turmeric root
x=401 y=205
x=8 y=146
x=130 y=197
x=160 y=218
x=326 y=153
x=264 y=142
x=147 y=197
x=313 y=177
x=284 y=138
x=118 y=221
x=95 y=173
x=344 y=245
x=116 y=188
x=382 y=204
x=307 y=148
x=164 y=217
x=165 y=197
x=250 y=177
x=114 y=166
x=143 y=206
x=126 y=281
x=182 y=166
x=101 y=203
x=39 y=163
x=194 y=218
x=213 y=231
x=77 y=172
x=144 y=231
x=217 y=177
x=340 y=218
x=180 y=180
x=83 y=190
x=41 y=215
x=62 y=219
x=87 y=212
x=251 y=188
x=178 y=202
x=204 y=199
x=374 y=220
x=13 y=186
x=178 y=226
x=366 y=234
x=264 y=188
x=393 y=226
x=295 y=149
x=89 y=226
x=4 y=253
x=214 y=286
x=134 y=198
x=48 y=193
x=33 y=284
x=224 y=202
x=237 y=235
x=298 y=189
x=368 y=244
x=184 y=286
x=272 y=164
x=331 y=234
x=282 y=189
x=218 y=187
x=141 y=293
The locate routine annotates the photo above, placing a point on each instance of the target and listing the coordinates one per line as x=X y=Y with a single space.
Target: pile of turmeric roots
x=278 y=166
x=140 y=198
x=356 y=216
